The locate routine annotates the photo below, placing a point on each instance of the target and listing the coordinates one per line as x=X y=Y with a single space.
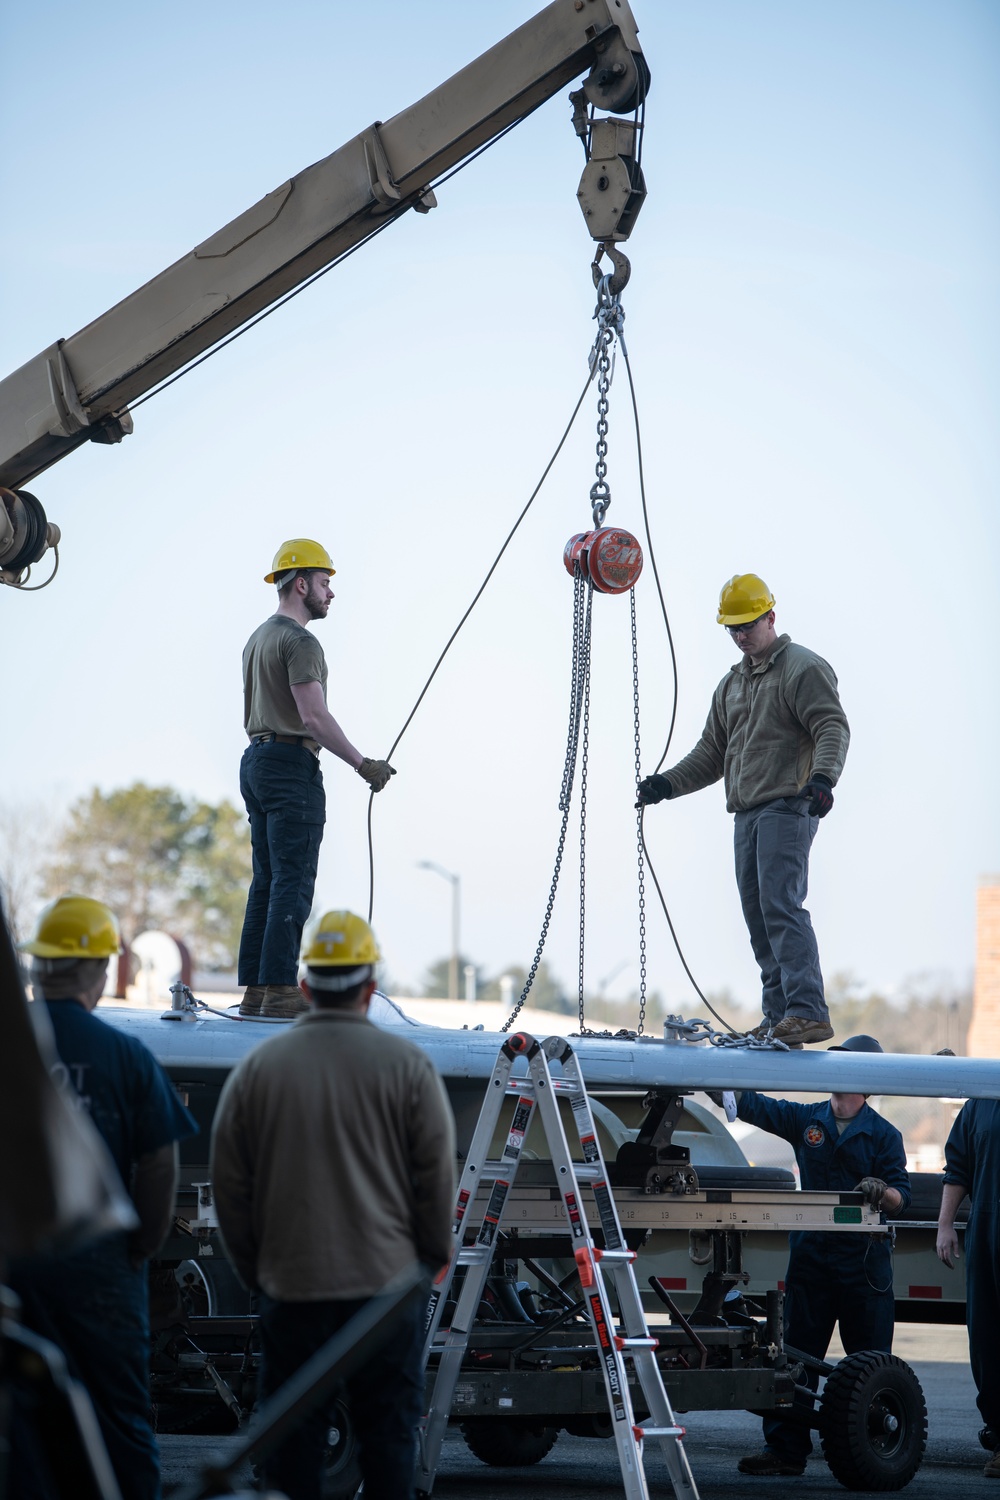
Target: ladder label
x=518 y=1126
x=494 y=1209
x=460 y=1207
x=609 y=1356
x=608 y=1216
x=584 y=1127
x=573 y=1214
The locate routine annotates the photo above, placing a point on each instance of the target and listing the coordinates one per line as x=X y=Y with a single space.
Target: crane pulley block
x=612 y=189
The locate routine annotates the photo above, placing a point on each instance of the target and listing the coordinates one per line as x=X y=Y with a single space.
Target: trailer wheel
x=873 y=1422
x=342 y=1471
x=509 y=1442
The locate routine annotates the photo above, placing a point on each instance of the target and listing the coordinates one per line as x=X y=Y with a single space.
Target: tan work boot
x=992 y=1468
x=282 y=1002
x=252 y=997
x=794 y=1030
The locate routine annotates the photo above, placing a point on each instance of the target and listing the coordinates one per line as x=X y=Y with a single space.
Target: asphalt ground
x=586 y=1468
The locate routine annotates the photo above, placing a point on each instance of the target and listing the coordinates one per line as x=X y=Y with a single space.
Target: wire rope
x=673 y=711
x=451 y=639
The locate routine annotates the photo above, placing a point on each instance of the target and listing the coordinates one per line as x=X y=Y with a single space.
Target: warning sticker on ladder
x=518 y=1126
x=494 y=1210
x=460 y=1207
x=608 y=1216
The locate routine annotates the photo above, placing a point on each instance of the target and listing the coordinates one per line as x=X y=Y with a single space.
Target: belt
x=286 y=739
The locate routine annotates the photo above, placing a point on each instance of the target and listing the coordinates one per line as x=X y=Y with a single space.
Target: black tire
x=509 y=1442
x=342 y=1471
x=873 y=1422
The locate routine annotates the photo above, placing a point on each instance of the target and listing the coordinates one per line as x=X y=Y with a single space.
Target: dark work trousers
x=772 y=844
x=282 y=786
x=982 y=1308
x=93 y=1305
x=386 y=1398
x=827 y=1284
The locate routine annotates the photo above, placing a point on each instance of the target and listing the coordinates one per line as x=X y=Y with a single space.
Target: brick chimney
x=984 y=1031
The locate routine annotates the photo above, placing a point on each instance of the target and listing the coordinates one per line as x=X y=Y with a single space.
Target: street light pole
x=428 y=864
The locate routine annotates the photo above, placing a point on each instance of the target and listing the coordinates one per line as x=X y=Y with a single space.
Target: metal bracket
x=383 y=187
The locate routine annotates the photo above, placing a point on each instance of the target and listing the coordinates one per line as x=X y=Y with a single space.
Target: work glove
x=873 y=1191
x=819 y=790
x=653 y=789
x=715 y=1095
x=376 y=773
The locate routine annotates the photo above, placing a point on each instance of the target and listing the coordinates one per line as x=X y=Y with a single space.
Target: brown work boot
x=771 y=1464
x=252 y=997
x=992 y=1468
x=282 y=1002
x=755 y=1033
x=794 y=1030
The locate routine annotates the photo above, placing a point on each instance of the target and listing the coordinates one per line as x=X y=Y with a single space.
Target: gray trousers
x=772 y=844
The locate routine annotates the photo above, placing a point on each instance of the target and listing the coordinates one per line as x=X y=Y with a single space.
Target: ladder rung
x=623 y=1255
x=582 y=1171
x=636 y=1343
x=659 y=1432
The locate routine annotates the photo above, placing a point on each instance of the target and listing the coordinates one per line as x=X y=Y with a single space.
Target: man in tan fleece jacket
x=778 y=736
x=333 y=1164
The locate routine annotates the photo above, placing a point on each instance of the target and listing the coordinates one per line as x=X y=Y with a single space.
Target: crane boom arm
x=79 y=388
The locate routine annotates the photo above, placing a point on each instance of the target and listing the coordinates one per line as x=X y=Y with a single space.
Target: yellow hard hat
x=300 y=552
x=744 y=598
x=75 y=927
x=340 y=940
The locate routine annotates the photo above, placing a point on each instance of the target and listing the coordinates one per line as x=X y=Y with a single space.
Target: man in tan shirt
x=288 y=722
x=333 y=1166
x=778 y=736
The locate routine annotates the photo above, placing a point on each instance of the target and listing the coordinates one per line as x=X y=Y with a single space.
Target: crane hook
x=618 y=280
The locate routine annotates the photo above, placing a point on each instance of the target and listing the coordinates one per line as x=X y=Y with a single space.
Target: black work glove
x=715 y=1095
x=873 y=1191
x=653 y=789
x=819 y=790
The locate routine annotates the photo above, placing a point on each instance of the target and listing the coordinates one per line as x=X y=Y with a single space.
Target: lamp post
x=428 y=864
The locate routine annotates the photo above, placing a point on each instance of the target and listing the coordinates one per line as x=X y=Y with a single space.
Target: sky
x=812 y=322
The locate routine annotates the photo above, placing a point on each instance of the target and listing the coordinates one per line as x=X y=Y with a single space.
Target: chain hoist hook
x=617 y=280
x=600 y=499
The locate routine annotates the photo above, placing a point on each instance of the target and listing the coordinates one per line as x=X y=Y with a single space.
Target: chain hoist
x=605 y=560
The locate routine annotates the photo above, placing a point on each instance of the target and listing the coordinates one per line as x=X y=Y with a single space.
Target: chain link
x=584 y=767
x=676 y=1029
x=640 y=853
x=579 y=693
x=610 y=317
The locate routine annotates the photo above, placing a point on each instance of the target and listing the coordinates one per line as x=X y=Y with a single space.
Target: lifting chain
x=676 y=1029
x=610 y=317
x=584 y=766
x=579 y=709
x=640 y=852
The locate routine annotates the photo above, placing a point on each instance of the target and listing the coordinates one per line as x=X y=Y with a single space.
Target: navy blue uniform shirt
x=829 y=1160
x=120 y=1083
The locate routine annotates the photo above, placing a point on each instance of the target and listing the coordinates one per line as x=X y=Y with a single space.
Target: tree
x=546 y=993
x=26 y=831
x=159 y=860
x=437 y=977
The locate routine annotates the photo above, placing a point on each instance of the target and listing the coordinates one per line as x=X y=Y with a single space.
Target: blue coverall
x=93 y=1303
x=972 y=1160
x=833 y=1277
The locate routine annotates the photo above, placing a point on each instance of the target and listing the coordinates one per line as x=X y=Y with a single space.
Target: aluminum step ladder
x=598 y=1269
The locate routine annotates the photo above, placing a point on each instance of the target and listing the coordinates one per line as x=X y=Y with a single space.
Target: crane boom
x=78 y=389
